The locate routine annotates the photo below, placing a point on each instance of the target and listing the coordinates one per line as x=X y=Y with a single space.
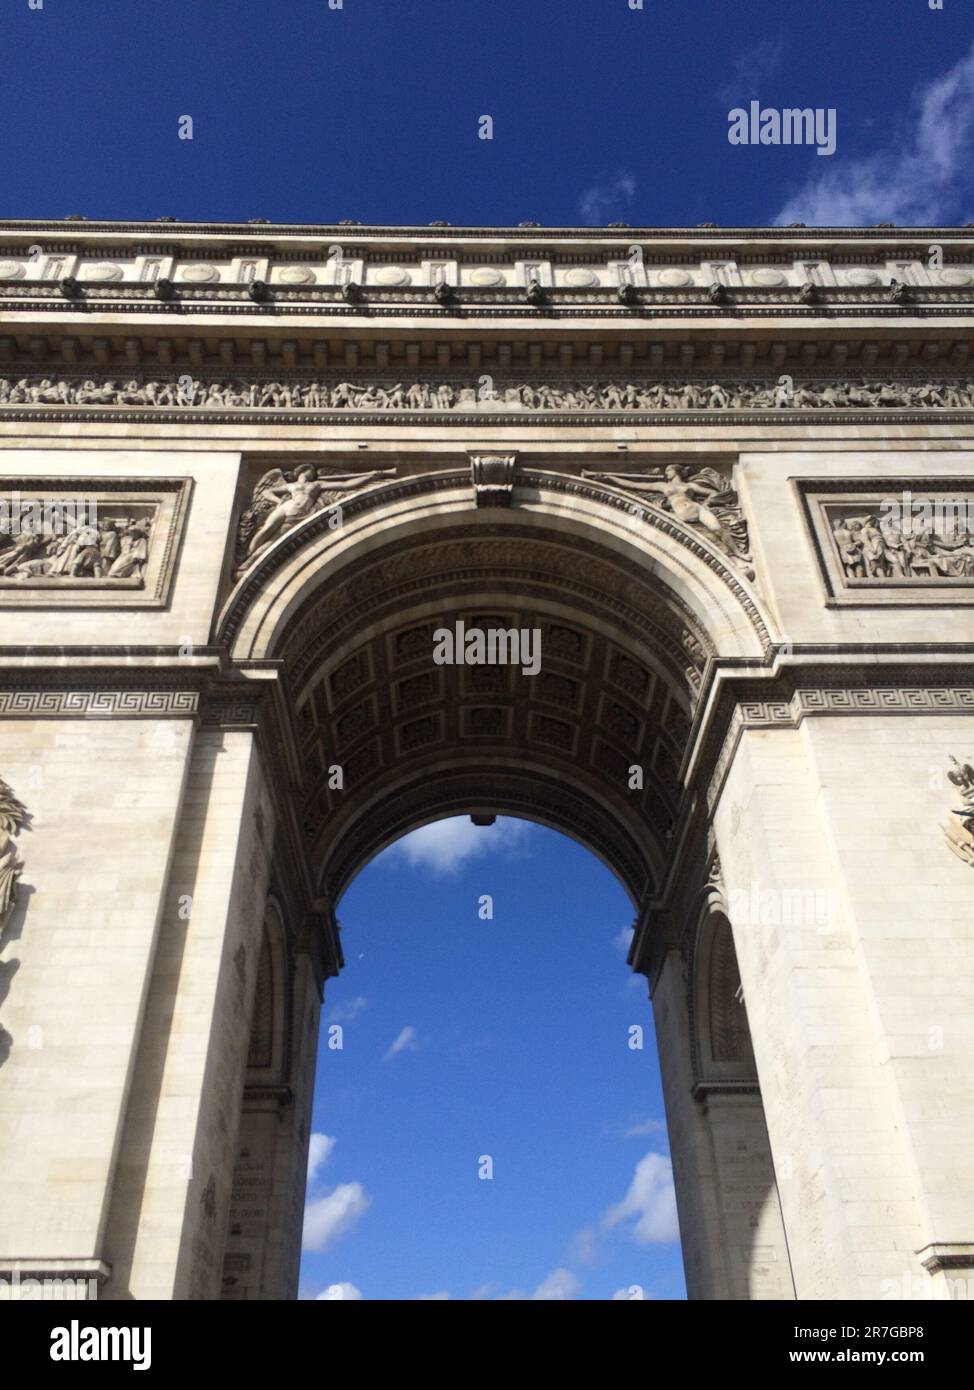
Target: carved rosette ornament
x=959 y=831
x=13 y=817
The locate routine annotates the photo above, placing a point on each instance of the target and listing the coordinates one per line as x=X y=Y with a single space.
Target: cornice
x=250 y=231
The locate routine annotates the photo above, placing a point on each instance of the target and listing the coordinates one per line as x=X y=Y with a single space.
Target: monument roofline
x=255 y=232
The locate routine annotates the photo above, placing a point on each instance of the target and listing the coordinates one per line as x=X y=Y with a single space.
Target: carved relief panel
x=895 y=541
x=89 y=542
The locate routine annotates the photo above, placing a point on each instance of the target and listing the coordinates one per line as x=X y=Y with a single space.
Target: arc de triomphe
x=725 y=475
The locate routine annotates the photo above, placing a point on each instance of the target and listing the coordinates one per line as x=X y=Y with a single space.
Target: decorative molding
x=944 y=1255
x=96 y=704
x=492 y=476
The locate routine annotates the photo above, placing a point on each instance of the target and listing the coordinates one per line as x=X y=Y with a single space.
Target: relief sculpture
x=283 y=499
x=701 y=498
x=188 y=393
x=13 y=817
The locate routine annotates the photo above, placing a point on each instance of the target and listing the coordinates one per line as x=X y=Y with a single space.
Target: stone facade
x=691 y=461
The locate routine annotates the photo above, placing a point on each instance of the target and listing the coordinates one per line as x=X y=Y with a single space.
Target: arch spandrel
x=651 y=545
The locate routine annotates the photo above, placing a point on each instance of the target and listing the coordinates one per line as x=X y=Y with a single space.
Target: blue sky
x=509 y=1038
x=601 y=113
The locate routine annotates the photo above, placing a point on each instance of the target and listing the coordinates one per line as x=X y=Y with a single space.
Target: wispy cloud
x=559 y=1284
x=920 y=177
x=406 y=1040
x=750 y=69
x=348 y=1011
x=623 y=940
x=650 y=1126
x=607 y=201
x=446 y=845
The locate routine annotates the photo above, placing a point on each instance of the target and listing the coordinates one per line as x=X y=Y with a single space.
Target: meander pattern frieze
x=96 y=704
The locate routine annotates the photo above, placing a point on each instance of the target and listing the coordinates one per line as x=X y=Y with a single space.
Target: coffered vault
x=666 y=452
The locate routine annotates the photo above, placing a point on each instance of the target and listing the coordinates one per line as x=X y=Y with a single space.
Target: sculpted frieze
x=91 y=541
x=870 y=547
x=893 y=542
x=189 y=393
x=113 y=547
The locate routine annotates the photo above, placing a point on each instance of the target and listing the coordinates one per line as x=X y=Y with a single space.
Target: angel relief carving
x=701 y=498
x=281 y=500
x=13 y=817
x=959 y=832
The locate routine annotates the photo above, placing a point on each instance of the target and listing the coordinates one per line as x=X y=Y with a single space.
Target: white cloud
x=327 y=1219
x=405 y=1041
x=340 y=1293
x=605 y=202
x=560 y=1283
x=642 y=1127
x=651 y=1200
x=919 y=178
x=348 y=1011
x=320 y=1149
x=440 y=1297
x=623 y=940
x=445 y=845
x=585 y=1245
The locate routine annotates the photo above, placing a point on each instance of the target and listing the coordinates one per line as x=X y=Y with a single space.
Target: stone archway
x=630 y=610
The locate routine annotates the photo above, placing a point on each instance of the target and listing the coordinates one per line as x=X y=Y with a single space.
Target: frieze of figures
x=112 y=547
x=187 y=392
x=872 y=546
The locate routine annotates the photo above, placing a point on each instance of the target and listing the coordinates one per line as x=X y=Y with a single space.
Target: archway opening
x=488 y=1117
